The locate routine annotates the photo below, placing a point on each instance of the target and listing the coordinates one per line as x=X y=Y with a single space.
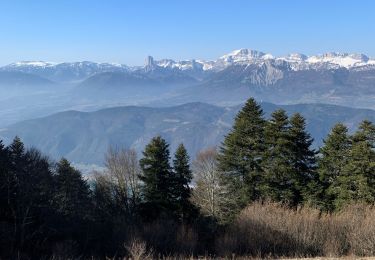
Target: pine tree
x=334 y=156
x=366 y=137
x=357 y=181
x=6 y=183
x=303 y=160
x=30 y=186
x=17 y=154
x=72 y=197
x=19 y=185
x=182 y=178
x=240 y=155
x=279 y=182
x=157 y=178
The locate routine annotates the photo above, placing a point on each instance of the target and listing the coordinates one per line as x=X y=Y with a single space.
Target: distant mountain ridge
x=331 y=78
x=296 y=61
x=84 y=137
x=66 y=71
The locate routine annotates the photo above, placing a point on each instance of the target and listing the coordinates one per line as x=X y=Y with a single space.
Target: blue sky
x=127 y=31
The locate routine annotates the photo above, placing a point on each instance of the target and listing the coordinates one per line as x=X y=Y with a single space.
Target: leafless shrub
x=138 y=250
x=359 y=224
x=271 y=228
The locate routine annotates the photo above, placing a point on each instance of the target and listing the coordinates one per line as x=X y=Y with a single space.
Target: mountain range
x=78 y=109
x=333 y=78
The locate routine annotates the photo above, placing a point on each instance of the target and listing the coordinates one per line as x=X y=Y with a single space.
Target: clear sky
x=126 y=31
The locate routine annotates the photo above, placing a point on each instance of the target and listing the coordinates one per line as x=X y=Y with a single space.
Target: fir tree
x=357 y=180
x=240 y=156
x=279 y=182
x=72 y=192
x=182 y=178
x=303 y=160
x=30 y=186
x=157 y=178
x=6 y=183
x=334 y=156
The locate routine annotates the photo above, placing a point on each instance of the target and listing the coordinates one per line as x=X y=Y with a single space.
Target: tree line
x=274 y=159
x=49 y=208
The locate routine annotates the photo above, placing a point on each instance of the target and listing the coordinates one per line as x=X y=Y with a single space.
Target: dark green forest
x=174 y=204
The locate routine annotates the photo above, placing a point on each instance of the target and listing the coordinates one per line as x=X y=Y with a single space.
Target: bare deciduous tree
x=208 y=193
x=123 y=171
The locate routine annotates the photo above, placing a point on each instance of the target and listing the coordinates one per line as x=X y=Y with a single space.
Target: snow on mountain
x=32 y=64
x=44 y=64
x=185 y=64
x=64 y=72
x=294 y=61
x=341 y=59
x=245 y=55
x=294 y=57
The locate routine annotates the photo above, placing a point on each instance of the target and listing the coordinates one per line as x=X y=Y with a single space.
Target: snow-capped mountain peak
x=32 y=64
x=243 y=55
x=341 y=59
x=294 y=57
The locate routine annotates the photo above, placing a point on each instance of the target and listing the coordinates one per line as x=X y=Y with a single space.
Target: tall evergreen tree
x=19 y=185
x=72 y=192
x=279 y=178
x=29 y=184
x=357 y=181
x=334 y=156
x=182 y=178
x=5 y=182
x=241 y=153
x=366 y=135
x=7 y=185
x=157 y=178
x=73 y=204
x=303 y=160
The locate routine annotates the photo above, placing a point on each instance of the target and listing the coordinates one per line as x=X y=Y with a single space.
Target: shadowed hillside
x=85 y=137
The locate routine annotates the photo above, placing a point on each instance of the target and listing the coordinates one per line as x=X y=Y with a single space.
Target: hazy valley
x=160 y=88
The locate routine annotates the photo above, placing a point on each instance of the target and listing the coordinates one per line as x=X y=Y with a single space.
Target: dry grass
x=264 y=229
x=138 y=250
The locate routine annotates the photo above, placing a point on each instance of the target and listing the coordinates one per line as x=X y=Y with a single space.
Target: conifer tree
x=17 y=154
x=182 y=178
x=357 y=181
x=334 y=156
x=303 y=160
x=72 y=197
x=240 y=156
x=19 y=184
x=157 y=178
x=29 y=188
x=279 y=182
x=6 y=183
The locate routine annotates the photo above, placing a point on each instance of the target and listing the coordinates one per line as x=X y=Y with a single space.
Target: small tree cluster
x=347 y=166
x=165 y=189
x=263 y=159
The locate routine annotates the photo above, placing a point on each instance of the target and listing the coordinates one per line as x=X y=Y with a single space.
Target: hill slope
x=84 y=137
